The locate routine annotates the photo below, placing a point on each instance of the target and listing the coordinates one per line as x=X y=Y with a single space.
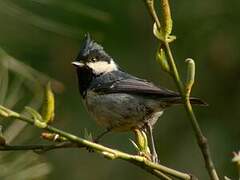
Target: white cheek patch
x=102 y=67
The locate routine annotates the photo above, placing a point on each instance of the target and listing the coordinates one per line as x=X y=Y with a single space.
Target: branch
x=39 y=148
x=140 y=161
x=201 y=139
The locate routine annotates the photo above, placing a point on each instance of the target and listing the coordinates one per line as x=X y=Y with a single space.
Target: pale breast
x=121 y=111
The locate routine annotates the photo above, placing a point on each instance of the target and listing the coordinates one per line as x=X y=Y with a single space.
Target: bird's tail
x=193 y=100
x=198 y=101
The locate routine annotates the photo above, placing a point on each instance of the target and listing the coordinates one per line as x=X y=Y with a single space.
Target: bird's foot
x=155 y=158
x=95 y=140
x=89 y=149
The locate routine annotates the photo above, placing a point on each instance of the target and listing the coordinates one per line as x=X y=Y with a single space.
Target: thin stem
x=174 y=70
x=151 y=9
x=201 y=139
x=164 y=177
x=39 y=148
x=202 y=142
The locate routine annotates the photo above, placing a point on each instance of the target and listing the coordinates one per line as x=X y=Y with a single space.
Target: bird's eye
x=93 y=59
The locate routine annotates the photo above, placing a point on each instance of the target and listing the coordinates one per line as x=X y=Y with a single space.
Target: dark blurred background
x=46 y=34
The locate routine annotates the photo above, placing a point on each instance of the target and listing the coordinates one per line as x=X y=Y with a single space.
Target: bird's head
x=93 y=57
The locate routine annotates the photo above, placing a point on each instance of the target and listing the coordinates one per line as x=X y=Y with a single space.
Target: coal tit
x=117 y=100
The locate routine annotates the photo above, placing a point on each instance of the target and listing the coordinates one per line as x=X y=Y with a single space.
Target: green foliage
x=161 y=58
x=14 y=165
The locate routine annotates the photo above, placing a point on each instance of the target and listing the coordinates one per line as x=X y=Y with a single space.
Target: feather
x=135 y=86
x=120 y=82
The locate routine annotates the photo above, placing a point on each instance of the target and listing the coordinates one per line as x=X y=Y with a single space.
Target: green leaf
x=88 y=135
x=167 y=19
x=142 y=142
x=48 y=106
x=171 y=38
x=190 y=75
x=162 y=60
x=135 y=145
x=145 y=147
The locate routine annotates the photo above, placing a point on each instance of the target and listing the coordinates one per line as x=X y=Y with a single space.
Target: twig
x=164 y=177
x=151 y=9
x=39 y=148
x=153 y=168
x=201 y=139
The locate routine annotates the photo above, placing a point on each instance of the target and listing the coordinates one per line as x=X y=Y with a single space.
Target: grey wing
x=135 y=86
x=125 y=83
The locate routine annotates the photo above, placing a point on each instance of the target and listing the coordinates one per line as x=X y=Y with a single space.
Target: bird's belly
x=120 y=111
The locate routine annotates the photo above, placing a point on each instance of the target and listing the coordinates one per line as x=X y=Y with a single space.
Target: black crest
x=91 y=49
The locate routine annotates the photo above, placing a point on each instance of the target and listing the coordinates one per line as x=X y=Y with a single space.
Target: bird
x=117 y=100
